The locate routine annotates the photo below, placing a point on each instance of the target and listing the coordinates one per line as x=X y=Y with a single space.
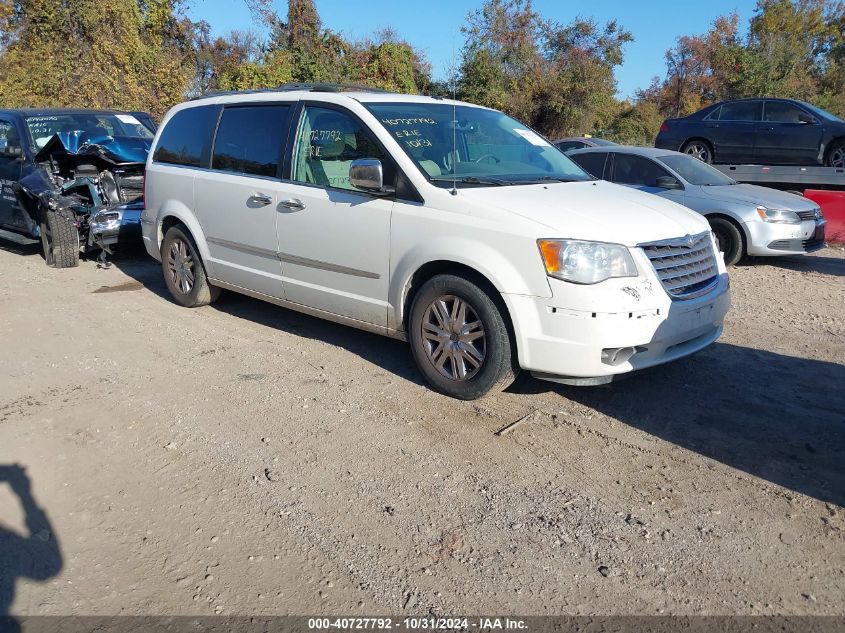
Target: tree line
x=558 y=78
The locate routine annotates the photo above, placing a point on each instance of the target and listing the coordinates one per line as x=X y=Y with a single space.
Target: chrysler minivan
x=446 y=224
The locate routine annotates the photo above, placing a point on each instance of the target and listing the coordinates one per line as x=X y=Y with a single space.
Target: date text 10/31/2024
x=417 y=623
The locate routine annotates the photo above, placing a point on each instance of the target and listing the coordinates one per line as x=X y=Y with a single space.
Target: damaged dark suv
x=73 y=178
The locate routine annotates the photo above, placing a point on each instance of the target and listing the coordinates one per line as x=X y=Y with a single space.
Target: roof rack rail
x=291 y=87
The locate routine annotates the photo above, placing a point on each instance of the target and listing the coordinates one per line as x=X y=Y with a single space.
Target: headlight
x=586 y=262
x=778 y=216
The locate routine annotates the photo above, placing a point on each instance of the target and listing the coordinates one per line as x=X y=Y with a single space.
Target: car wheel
x=729 y=240
x=836 y=155
x=459 y=339
x=184 y=272
x=59 y=240
x=699 y=149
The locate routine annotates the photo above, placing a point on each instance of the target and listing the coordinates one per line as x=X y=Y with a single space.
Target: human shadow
x=834 y=266
x=777 y=417
x=33 y=557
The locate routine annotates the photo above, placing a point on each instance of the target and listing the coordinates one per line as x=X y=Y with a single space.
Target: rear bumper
x=557 y=343
x=767 y=239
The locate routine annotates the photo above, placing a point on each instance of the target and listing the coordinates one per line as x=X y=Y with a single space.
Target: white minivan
x=442 y=223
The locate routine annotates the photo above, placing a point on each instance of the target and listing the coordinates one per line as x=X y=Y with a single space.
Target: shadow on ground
x=36 y=556
x=773 y=416
x=18 y=244
x=834 y=266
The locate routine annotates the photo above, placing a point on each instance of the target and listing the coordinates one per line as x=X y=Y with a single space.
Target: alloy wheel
x=454 y=338
x=699 y=151
x=180 y=264
x=837 y=157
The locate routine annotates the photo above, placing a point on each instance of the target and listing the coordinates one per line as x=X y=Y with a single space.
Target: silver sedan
x=746 y=219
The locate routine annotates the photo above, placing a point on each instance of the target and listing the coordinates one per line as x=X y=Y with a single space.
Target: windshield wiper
x=472 y=180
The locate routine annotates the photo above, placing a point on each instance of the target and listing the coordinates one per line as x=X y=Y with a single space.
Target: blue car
x=758 y=131
x=73 y=178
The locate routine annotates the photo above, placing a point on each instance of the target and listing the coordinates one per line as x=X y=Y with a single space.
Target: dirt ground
x=244 y=459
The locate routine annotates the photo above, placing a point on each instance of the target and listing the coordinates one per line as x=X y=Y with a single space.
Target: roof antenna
x=454 y=157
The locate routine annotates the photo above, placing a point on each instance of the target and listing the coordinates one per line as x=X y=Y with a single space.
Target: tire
x=835 y=156
x=184 y=272
x=465 y=366
x=59 y=240
x=700 y=149
x=729 y=238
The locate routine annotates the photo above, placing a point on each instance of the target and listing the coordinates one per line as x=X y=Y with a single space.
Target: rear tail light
x=664 y=127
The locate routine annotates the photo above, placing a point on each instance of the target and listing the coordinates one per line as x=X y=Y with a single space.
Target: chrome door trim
x=293 y=259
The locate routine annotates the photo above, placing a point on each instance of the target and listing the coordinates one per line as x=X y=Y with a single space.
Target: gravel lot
x=243 y=459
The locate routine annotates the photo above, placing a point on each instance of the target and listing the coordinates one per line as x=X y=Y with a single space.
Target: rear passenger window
x=186 y=136
x=249 y=139
x=629 y=169
x=591 y=162
x=742 y=111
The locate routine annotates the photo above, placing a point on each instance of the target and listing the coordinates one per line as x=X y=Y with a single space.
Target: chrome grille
x=807 y=215
x=686 y=266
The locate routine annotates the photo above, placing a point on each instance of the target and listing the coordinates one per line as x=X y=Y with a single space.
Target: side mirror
x=367 y=175
x=668 y=182
x=805 y=118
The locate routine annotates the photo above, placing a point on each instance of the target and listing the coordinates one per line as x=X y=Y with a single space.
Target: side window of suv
x=187 y=136
x=742 y=111
x=629 y=169
x=249 y=139
x=327 y=143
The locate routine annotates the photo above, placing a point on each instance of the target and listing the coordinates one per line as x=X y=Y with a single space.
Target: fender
x=493 y=264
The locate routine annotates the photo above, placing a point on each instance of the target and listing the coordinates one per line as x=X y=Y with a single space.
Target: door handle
x=766 y=128
x=293 y=204
x=260 y=198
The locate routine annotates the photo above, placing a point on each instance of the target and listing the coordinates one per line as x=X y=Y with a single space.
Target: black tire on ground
x=184 y=272
x=59 y=240
x=459 y=339
x=729 y=239
x=835 y=156
x=700 y=149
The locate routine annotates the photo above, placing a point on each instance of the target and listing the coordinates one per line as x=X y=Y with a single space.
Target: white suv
x=446 y=224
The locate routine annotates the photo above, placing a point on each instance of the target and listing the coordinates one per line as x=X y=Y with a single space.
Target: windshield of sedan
x=819 y=112
x=42 y=127
x=694 y=171
x=473 y=146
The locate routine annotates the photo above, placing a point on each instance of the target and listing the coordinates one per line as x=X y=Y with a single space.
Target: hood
x=119 y=150
x=754 y=195
x=593 y=210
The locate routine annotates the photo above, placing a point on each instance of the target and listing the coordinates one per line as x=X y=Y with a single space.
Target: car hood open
x=754 y=195
x=593 y=210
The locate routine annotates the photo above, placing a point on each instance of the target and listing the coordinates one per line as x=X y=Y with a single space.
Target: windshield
x=473 y=146
x=694 y=171
x=42 y=127
x=819 y=112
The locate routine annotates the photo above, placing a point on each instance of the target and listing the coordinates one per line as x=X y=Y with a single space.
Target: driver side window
x=629 y=169
x=327 y=143
x=9 y=139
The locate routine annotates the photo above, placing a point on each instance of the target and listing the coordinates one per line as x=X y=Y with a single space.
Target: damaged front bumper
x=110 y=226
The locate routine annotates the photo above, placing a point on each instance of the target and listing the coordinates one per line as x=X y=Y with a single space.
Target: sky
x=434 y=26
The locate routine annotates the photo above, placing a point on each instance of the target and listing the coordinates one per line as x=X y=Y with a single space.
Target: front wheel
x=59 y=239
x=729 y=240
x=699 y=149
x=184 y=272
x=459 y=339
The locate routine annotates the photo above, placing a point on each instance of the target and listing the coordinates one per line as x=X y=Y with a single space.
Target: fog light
x=617 y=355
